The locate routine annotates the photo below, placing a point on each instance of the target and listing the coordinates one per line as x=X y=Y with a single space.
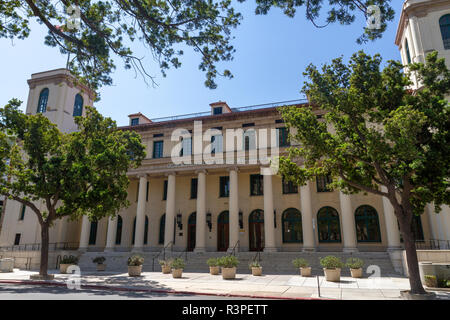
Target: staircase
x=272 y=263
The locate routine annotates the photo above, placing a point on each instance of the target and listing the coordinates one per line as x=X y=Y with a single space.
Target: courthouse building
x=209 y=207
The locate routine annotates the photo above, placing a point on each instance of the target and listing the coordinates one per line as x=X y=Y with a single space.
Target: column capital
x=235 y=168
x=172 y=173
x=201 y=171
x=142 y=175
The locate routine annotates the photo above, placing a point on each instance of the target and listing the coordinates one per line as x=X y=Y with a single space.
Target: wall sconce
x=241 y=220
x=274 y=218
x=179 y=224
x=208 y=221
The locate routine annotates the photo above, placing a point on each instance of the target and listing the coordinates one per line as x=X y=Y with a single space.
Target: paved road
x=34 y=292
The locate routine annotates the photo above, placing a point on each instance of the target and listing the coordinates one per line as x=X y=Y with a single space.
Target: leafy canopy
x=377 y=131
x=73 y=174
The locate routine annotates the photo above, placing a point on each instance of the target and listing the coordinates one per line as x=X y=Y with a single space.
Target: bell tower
x=58 y=96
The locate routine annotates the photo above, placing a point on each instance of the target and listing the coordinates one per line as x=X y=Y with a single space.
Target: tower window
x=217 y=110
x=444 y=23
x=78 y=106
x=134 y=121
x=43 y=99
x=408 y=54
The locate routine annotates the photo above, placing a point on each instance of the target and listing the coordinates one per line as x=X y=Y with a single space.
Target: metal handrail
x=185 y=251
x=233 y=251
x=163 y=251
x=432 y=244
x=257 y=256
x=37 y=246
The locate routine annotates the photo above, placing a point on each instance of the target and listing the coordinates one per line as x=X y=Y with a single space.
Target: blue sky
x=272 y=52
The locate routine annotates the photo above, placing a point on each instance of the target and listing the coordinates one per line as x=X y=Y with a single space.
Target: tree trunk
x=44 y=249
x=411 y=255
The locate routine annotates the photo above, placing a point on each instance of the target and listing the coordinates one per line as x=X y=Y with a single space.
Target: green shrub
x=228 y=262
x=135 y=260
x=441 y=283
x=331 y=262
x=165 y=263
x=212 y=262
x=300 y=263
x=254 y=264
x=99 y=260
x=177 y=263
x=430 y=281
x=354 y=263
x=69 y=260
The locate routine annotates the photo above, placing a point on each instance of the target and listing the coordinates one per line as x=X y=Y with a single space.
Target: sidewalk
x=245 y=285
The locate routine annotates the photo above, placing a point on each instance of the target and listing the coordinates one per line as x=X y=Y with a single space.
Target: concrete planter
x=6 y=265
x=305 y=272
x=134 y=271
x=257 y=271
x=166 y=269
x=214 y=270
x=101 y=267
x=63 y=267
x=356 y=273
x=177 y=273
x=229 y=273
x=333 y=275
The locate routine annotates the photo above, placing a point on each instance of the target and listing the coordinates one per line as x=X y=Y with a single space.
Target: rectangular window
x=146 y=192
x=256 y=185
x=283 y=135
x=250 y=140
x=216 y=144
x=22 y=212
x=158 y=149
x=322 y=183
x=17 y=239
x=289 y=187
x=224 y=187
x=134 y=121
x=186 y=147
x=165 y=190
x=217 y=110
x=194 y=183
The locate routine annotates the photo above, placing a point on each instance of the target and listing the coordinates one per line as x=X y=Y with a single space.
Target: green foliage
x=69 y=260
x=135 y=260
x=300 y=263
x=99 y=260
x=228 y=261
x=354 y=263
x=431 y=281
x=177 y=263
x=331 y=262
x=165 y=263
x=254 y=264
x=212 y=262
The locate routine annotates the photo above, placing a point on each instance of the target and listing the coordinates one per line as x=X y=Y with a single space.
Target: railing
x=233 y=251
x=185 y=251
x=257 y=256
x=163 y=251
x=432 y=244
x=37 y=246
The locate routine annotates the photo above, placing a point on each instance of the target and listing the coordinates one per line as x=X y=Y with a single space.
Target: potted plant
x=213 y=264
x=431 y=281
x=135 y=265
x=99 y=261
x=67 y=261
x=256 y=268
x=165 y=266
x=177 y=265
x=228 y=264
x=303 y=265
x=332 y=268
x=355 y=265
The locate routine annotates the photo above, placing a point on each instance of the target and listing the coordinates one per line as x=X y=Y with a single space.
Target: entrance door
x=191 y=232
x=223 y=229
x=256 y=230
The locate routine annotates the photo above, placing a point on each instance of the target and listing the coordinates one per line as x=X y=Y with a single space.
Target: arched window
x=328 y=225
x=93 y=233
x=444 y=23
x=417 y=228
x=292 y=226
x=78 y=106
x=145 y=230
x=408 y=54
x=367 y=224
x=162 y=227
x=119 y=230
x=43 y=99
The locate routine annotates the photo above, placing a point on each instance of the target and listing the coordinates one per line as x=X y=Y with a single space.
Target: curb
x=126 y=289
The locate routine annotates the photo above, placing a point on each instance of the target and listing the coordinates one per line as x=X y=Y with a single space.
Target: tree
x=378 y=136
x=58 y=175
x=92 y=33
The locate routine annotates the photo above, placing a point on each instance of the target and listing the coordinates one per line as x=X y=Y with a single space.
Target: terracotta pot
x=356 y=273
x=214 y=270
x=257 y=271
x=134 y=271
x=63 y=267
x=177 y=273
x=305 y=271
x=166 y=269
x=333 y=275
x=101 y=267
x=229 y=273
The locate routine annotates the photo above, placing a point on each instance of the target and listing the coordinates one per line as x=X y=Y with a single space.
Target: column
x=234 y=209
x=200 y=232
x=269 y=228
x=140 y=215
x=348 y=223
x=84 y=237
x=446 y=222
x=307 y=218
x=111 y=235
x=392 y=231
x=170 y=210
